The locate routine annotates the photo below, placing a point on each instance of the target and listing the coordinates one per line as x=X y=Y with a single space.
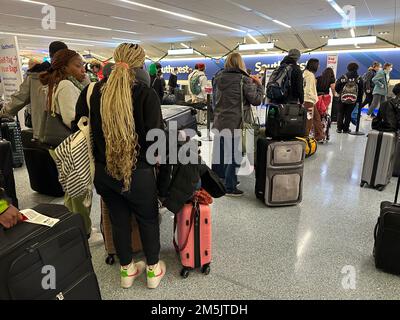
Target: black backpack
x=387 y=117
x=350 y=91
x=279 y=83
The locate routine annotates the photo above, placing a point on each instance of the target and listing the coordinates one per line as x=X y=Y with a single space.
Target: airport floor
x=274 y=253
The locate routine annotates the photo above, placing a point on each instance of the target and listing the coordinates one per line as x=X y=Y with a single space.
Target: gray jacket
x=30 y=92
x=227 y=113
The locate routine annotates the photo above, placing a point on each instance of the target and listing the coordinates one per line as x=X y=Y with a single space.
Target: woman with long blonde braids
x=122 y=112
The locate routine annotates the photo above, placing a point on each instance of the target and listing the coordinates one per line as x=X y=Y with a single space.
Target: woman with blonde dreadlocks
x=122 y=112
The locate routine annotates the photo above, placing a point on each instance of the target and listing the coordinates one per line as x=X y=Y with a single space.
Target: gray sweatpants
x=376 y=103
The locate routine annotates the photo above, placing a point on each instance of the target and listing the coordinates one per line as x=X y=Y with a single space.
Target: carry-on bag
x=396 y=168
x=285 y=121
x=279 y=172
x=11 y=131
x=7 y=181
x=387 y=236
x=106 y=230
x=47 y=263
x=42 y=170
x=334 y=111
x=192 y=226
x=379 y=159
x=311 y=145
x=184 y=116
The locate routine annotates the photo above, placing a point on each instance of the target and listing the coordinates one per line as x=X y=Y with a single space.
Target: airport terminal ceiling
x=211 y=27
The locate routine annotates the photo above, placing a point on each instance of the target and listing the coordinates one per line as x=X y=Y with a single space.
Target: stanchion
x=208 y=136
x=358 y=132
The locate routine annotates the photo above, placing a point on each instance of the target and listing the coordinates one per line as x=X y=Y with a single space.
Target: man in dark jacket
x=388 y=118
x=345 y=110
x=9 y=215
x=296 y=89
x=368 y=83
x=30 y=92
x=173 y=81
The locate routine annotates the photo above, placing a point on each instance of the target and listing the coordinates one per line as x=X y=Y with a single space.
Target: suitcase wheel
x=110 y=259
x=362 y=184
x=206 y=269
x=184 y=273
x=380 y=188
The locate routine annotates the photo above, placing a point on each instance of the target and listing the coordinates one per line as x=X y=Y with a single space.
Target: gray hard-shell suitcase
x=279 y=172
x=379 y=159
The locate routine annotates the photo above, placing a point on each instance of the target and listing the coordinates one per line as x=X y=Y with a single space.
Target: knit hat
x=56 y=46
x=201 y=66
x=294 y=54
x=153 y=69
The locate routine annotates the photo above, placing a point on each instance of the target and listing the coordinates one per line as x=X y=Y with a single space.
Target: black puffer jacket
x=227 y=113
x=388 y=118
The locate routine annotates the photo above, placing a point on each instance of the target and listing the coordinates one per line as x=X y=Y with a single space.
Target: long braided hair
x=117 y=114
x=57 y=72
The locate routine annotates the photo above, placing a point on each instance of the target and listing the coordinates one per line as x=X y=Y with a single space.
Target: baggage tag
x=32 y=216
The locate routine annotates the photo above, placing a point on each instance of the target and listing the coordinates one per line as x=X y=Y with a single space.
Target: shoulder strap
x=89 y=94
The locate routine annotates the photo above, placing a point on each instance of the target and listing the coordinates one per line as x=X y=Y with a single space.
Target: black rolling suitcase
x=26 y=248
x=11 y=131
x=42 y=170
x=387 y=236
x=334 y=110
x=6 y=171
x=184 y=116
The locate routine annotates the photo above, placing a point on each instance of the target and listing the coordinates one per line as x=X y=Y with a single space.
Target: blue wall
x=364 y=59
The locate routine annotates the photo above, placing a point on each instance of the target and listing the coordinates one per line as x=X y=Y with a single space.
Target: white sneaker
x=129 y=274
x=95 y=239
x=155 y=274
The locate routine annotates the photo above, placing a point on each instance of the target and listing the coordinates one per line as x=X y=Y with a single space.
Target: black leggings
x=140 y=200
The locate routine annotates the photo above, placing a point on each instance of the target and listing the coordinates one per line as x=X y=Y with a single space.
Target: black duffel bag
x=285 y=121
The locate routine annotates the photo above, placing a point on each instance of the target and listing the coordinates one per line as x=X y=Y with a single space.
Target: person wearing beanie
x=31 y=92
x=198 y=78
x=156 y=80
x=121 y=117
x=296 y=89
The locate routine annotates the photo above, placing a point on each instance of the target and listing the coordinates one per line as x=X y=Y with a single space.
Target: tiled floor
x=263 y=253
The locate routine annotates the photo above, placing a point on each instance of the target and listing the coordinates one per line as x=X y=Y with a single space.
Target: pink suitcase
x=193 y=226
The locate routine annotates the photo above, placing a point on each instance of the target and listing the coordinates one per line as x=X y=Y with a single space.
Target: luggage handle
x=397 y=190
x=376 y=229
x=195 y=208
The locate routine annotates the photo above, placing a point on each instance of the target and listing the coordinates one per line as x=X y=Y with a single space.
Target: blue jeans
x=225 y=166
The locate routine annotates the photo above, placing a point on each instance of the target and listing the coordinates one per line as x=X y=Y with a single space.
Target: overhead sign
x=10 y=66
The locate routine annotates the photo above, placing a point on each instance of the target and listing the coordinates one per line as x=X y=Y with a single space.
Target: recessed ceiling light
x=384 y=32
x=79 y=44
x=324 y=37
x=125 y=19
x=87 y=26
x=55 y=37
x=184 y=16
x=34 y=2
x=193 y=32
x=124 y=39
x=281 y=23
